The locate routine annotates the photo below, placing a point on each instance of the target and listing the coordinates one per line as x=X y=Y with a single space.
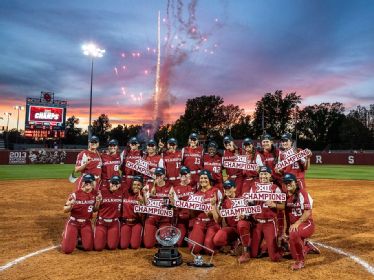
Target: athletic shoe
x=310 y=248
x=245 y=257
x=297 y=265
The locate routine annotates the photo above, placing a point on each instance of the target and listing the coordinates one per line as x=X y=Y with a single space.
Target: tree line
x=319 y=127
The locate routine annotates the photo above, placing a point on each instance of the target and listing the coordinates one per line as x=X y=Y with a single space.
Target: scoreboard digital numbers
x=45 y=117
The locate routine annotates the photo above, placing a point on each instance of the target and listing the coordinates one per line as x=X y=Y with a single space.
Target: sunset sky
x=323 y=50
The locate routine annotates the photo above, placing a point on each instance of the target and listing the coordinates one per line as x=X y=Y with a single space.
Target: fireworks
x=181 y=37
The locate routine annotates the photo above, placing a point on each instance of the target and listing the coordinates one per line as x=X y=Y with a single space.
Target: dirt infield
x=31 y=219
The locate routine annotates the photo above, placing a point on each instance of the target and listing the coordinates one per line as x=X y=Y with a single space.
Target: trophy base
x=167 y=257
x=205 y=265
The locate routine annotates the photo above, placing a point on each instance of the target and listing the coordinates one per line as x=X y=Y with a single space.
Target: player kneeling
x=236 y=226
x=206 y=223
x=107 y=222
x=299 y=210
x=81 y=205
x=131 y=228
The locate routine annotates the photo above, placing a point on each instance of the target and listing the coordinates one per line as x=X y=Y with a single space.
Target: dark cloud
x=319 y=48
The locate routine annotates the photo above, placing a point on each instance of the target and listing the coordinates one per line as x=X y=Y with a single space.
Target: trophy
x=167 y=255
x=198 y=259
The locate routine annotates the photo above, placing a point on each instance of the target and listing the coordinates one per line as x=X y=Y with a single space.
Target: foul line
x=361 y=262
x=21 y=259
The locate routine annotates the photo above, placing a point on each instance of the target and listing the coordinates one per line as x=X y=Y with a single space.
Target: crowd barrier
x=65 y=156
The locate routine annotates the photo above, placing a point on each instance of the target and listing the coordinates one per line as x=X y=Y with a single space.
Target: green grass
x=349 y=172
x=35 y=171
x=62 y=171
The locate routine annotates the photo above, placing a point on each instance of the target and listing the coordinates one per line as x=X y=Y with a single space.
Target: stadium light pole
x=93 y=51
x=18 y=108
x=7 y=123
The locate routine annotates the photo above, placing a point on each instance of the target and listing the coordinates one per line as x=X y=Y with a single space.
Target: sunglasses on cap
x=151 y=145
x=112 y=145
x=93 y=142
x=116 y=183
x=193 y=139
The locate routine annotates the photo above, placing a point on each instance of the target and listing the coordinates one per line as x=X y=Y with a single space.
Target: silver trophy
x=167 y=255
x=198 y=259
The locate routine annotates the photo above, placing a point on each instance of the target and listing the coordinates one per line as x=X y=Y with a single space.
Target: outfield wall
x=59 y=156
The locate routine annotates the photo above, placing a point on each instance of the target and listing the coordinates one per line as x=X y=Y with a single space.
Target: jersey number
x=116 y=167
x=216 y=169
x=297 y=212
x=90 y=209
x=197 y=160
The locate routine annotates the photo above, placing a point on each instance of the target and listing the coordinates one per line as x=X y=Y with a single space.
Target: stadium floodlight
x=18 y=108
x=7 y=123
x=93 y=51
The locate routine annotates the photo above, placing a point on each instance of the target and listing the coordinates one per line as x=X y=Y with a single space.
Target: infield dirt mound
x=31 y=219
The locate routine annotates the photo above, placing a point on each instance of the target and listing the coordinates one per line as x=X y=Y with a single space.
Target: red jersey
x=173 y=162
x=154 y=162
x=214 y=166
x=111 y=165
x=297 y=168
x=206 y=197
x=110 y=207
x=84 y=204
x=94 y=164
x=183 y=192
x=193 y=158
x=227 y=204
x=128 y=204
x=230 y=156
x=251 y=159
x=131 y=156
x=295 y=209
x=267 y=213
x=162 y=192
x=270 y=159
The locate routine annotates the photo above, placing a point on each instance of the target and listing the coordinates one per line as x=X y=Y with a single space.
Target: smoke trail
x=183 y=38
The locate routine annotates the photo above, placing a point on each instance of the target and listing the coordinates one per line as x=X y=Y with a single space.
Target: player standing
x=153 y=159
x=268 y=154
x=212 y=162
x=131 y=155
x=89 y=162
x=230 y=155
x=249 y=176
x=193 y=158
x=297 y=168
x=111 y=163
x=173 y=161
x=107 y=223
x=81 y=204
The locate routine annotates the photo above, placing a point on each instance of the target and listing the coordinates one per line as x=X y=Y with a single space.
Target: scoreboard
x=45 y=117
